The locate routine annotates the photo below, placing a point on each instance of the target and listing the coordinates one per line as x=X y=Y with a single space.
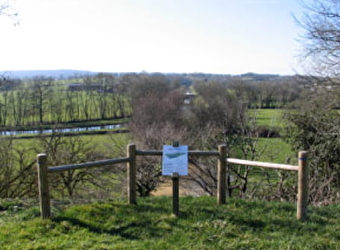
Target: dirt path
x=186 y=188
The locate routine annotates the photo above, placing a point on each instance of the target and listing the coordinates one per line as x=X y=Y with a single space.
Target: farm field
x=240 y=224
x=102 y=142
x=268 y=117
x=274 y=149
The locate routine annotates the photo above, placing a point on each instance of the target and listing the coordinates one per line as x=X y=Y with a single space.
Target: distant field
x=277 y=151
x=103 y=143
x=268 y=117
x=274 y=149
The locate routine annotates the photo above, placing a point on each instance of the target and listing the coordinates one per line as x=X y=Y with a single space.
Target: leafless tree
x=17 y=171
x=156 y=120
x=7 y=10
x=220 y=117
x=63 y=150
x=215 y=117
x=321 y=36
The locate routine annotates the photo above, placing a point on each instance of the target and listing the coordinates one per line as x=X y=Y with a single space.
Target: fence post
x=175 y=194
x=44 y=195
x=303 y=186
x=131 y=173
x=221 y=174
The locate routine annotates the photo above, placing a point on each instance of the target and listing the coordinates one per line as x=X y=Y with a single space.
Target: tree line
x=216 y=114
x=158 y=114
x=43 y=100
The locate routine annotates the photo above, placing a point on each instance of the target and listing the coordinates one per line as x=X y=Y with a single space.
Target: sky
x=181 y=36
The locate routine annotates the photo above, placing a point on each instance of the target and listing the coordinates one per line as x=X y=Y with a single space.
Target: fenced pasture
x=131 y=158
x=268 y=117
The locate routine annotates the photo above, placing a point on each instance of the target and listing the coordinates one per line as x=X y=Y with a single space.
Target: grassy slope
x=203 y=225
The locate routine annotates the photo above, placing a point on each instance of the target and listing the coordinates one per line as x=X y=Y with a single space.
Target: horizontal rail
x=88 y=164
x=262 y=164
x=149 y=152
x=191 y=153
x=160 y=152
x=204 y=153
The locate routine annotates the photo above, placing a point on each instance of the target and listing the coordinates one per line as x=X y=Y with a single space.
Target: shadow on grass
x=251 y=215
x=122 y=231
x=131 y=222
x=151 y=218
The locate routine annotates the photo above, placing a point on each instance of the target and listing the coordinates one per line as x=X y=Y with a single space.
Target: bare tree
x=314 y=126
x=7 y=10
x=215 y=117
x=320 y=40
x=40 y=89
x=156 y=120
x=63 y=150
x=17 y=171
x=220 y=117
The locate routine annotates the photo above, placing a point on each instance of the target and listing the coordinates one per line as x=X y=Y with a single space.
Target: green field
x=240 y=224
x=268 y=117
x=277 y=151
x=102 y=142
x=274 y=149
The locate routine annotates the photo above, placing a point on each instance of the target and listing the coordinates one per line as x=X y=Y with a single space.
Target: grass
x=100 y=141
x=277 y=150
x=268 y=117
x=239 y=224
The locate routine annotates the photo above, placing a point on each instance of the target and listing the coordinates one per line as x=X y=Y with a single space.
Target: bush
x=316 y=128
x=268 y=132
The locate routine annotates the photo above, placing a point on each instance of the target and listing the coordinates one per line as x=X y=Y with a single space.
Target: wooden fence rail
x=88 y=165
x=190 y=153
x=130 y=160
x=303 y=178
x=262 y=164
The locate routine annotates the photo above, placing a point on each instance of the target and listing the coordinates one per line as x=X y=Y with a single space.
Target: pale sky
x=183 y=36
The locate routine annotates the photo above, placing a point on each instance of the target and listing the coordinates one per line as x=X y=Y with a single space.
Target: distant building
x=188 y=97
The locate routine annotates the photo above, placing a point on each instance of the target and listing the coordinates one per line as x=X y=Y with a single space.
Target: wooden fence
x=222 y=171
